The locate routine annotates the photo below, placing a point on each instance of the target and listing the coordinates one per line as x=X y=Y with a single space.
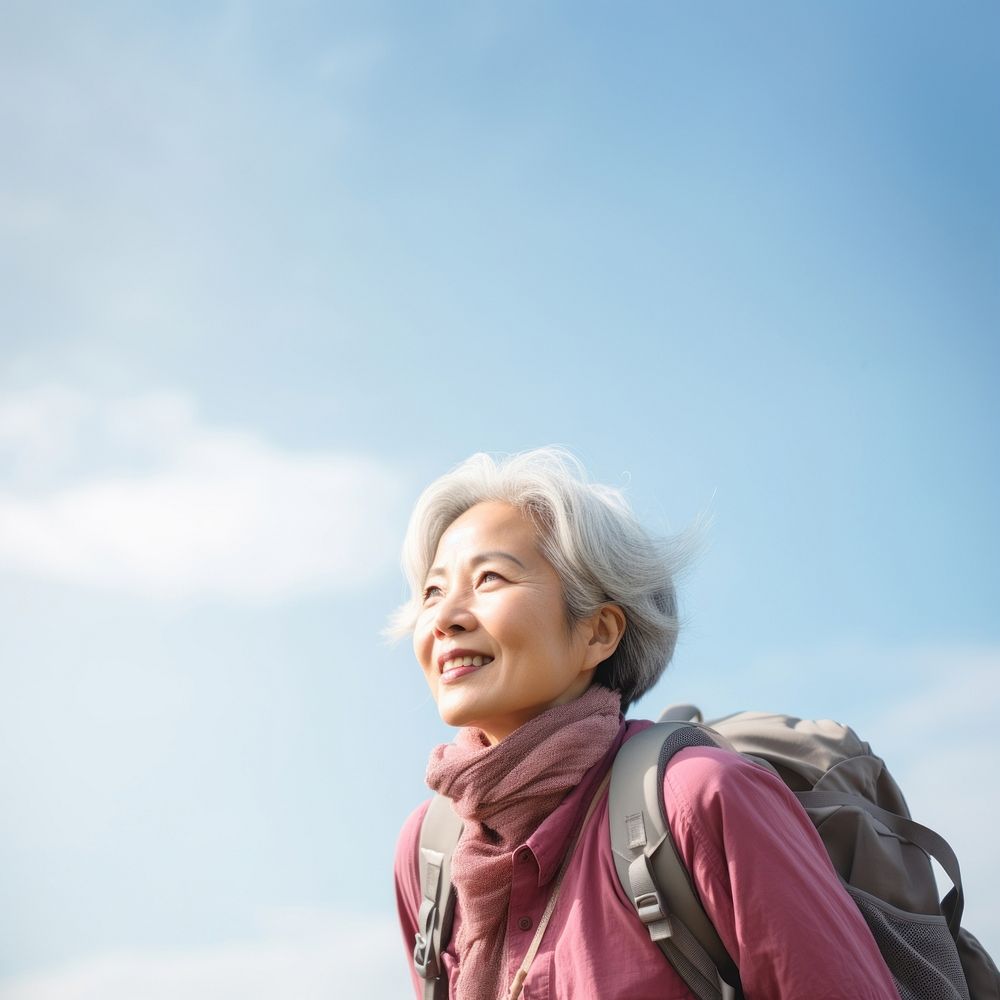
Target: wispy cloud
x=306 y=954
x=179 y=508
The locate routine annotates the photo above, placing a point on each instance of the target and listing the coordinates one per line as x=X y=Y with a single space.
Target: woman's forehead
x=484 y=527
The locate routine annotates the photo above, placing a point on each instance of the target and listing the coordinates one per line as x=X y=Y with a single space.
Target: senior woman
x=540 y=610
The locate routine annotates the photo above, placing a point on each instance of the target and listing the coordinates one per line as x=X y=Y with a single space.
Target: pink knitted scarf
x=502 y=793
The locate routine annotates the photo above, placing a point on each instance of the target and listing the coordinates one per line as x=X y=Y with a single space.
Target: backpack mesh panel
x=679 y=739
x=920 y=953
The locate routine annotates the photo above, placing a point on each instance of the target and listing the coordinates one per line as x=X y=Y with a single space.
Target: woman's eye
x=432 y=591
x=489 y=576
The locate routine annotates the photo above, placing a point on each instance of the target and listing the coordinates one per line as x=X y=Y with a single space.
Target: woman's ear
x=607 y=626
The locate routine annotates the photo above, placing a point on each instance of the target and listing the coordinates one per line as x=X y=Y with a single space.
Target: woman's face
x=492 y=636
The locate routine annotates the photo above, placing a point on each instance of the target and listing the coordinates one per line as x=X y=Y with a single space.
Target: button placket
x=525 y=900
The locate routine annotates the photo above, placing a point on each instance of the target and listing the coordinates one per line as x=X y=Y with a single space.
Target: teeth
x=467 y=661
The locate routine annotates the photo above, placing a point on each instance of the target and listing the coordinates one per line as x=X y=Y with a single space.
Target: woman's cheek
x=432 y=682
x=423 y=643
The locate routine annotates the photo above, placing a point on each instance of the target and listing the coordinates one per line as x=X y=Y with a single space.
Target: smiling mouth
x=466 y=661
x=459 y=666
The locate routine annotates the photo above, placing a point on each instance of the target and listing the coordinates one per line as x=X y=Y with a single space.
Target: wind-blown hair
x=588 y=533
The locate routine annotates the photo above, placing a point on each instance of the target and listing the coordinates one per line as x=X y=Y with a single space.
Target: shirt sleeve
x=767 y=883
x=408 y=894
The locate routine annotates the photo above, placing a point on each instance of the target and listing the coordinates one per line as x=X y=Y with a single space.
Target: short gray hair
x=587 y=532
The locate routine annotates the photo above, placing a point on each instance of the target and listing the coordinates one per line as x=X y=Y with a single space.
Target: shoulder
x=407 y=863
x=705 y=774
x=700 y=778
x=708 y=788
x=410 y=831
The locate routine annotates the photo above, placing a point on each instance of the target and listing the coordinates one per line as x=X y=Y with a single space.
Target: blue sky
x=267 y=270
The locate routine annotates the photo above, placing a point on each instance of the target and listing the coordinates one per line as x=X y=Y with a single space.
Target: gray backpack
x=881 y=854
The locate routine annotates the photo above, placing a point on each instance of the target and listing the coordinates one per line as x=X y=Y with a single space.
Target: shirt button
x=524 y=855
x=524 y=923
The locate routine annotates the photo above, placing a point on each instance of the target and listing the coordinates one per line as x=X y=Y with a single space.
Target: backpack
x=881 y=855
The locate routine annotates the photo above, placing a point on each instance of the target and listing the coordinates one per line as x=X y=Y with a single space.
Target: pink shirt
x=757 y=863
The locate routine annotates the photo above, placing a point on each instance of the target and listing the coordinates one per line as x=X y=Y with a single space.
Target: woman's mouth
x=459 y=666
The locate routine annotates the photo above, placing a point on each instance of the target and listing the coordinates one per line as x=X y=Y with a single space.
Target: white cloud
x=139 y=495
x=305 y=955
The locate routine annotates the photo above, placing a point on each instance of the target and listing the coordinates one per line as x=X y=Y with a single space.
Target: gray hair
x=590 y=536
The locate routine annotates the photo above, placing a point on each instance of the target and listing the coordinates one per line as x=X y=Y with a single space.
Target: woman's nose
x=454 y=615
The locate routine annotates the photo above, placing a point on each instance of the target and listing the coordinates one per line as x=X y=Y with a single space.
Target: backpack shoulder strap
x=439 y=834
x=649 y=868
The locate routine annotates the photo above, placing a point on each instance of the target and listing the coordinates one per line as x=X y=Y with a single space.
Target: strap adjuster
x=648 y=901
x=649 y=907
x=651 y=912
x=424 y=957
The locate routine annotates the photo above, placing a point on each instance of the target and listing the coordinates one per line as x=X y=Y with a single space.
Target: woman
x=540 y=610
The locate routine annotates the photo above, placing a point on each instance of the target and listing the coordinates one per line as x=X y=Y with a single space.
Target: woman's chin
x=461 y=716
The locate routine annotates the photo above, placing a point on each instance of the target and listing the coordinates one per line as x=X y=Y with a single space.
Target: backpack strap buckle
x=424 y=957
x=646 y=899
